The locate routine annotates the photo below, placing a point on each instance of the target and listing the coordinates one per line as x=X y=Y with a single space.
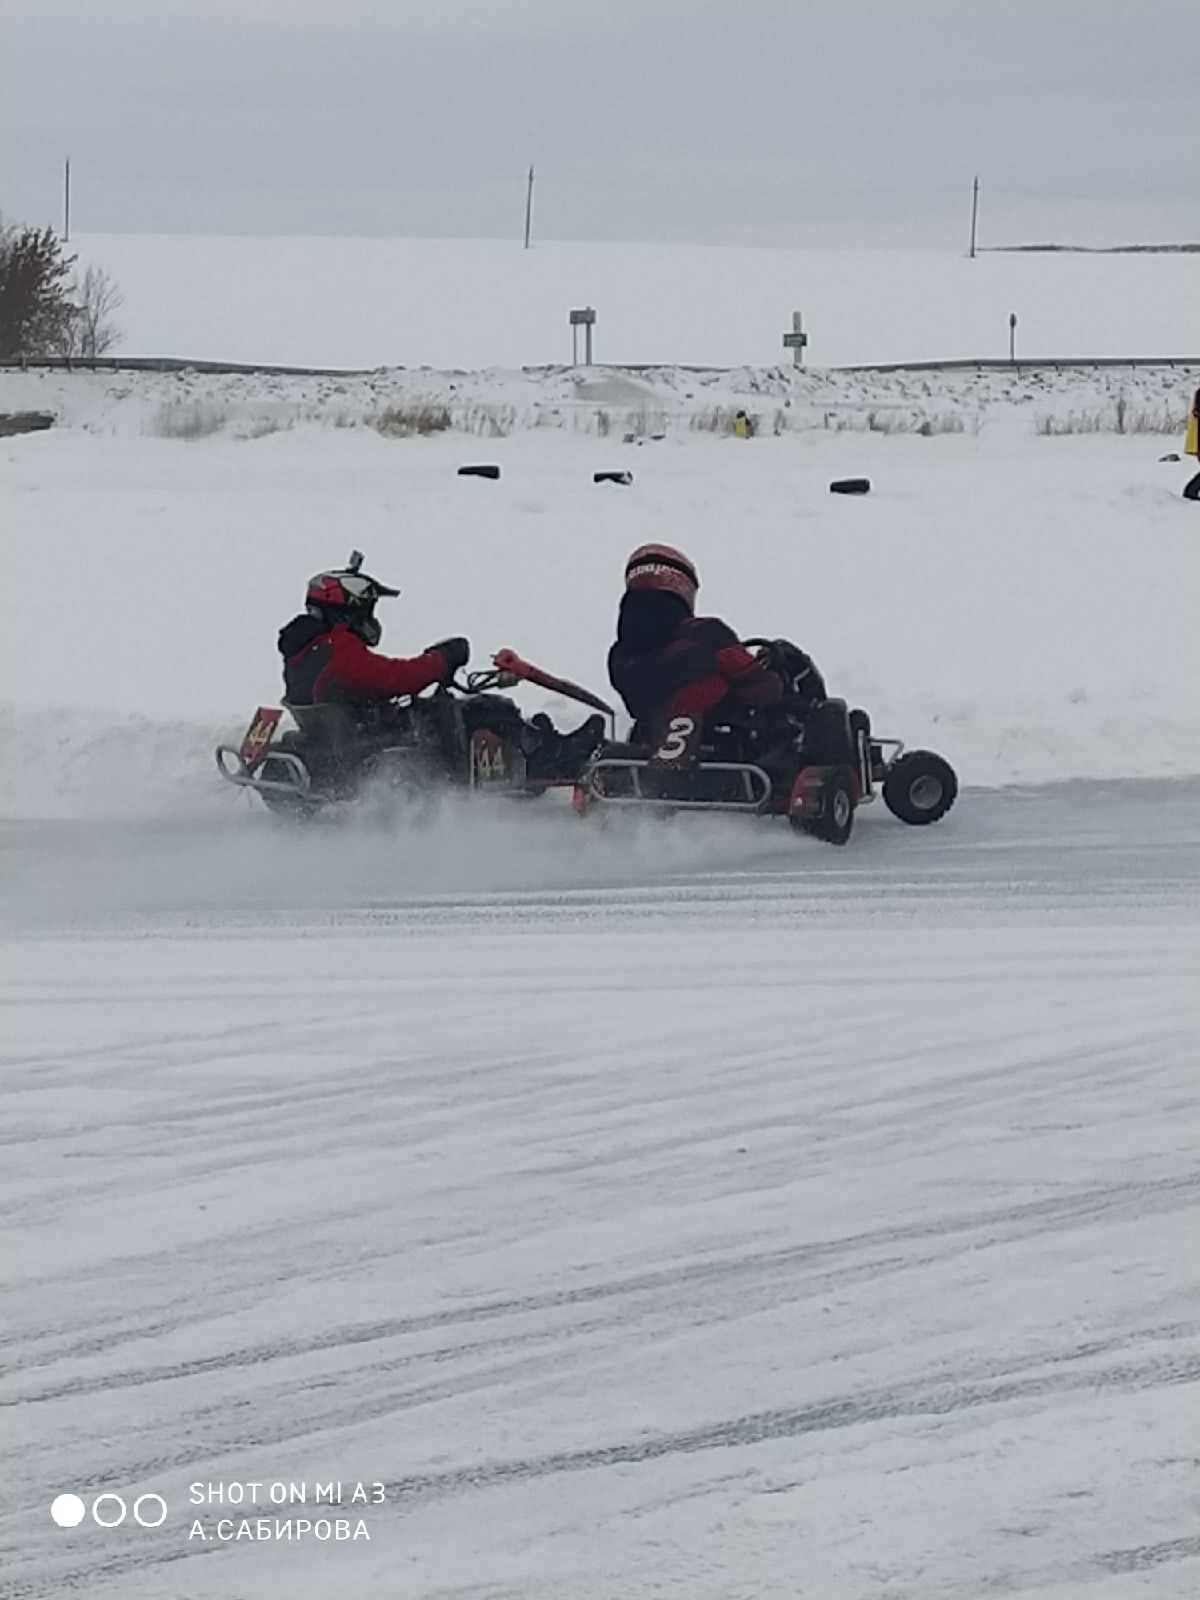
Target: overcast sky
x=761 y=121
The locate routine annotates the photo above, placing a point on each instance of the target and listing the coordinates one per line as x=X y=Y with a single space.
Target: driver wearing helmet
x=666 y=660
x=328 y=658
x=328 y=653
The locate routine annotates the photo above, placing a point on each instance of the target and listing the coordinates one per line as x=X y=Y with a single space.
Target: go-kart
x=813 y=760
x=462 y=734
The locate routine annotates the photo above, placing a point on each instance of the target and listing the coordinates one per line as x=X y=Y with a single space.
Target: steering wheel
x=483 y=682
x=762 y=649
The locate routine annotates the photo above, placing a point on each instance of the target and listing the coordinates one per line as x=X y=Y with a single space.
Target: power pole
x=67 y=203
x=974 y=213
x=528 y=207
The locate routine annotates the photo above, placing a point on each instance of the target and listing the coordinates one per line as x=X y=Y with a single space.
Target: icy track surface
x=689 y=1211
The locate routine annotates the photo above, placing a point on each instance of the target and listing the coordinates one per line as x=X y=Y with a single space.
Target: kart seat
x=829 y=731
x=326 y=727
x=622 y=750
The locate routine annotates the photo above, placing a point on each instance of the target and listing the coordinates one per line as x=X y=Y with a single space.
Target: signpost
x=796 y=340
x=584 y=318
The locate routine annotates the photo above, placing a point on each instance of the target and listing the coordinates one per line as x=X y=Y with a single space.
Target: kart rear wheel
x=836 y=821
x=290 y=807
x=919 y=787
x=295 y=806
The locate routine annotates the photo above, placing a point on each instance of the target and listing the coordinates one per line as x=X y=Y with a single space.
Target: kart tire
x=293 y=808
x=836 y=821
x=290 y=808
x=919 y=787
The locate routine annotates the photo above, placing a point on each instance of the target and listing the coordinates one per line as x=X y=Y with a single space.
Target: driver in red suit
x=667 y=661
x=328 y=658
x=327 y=650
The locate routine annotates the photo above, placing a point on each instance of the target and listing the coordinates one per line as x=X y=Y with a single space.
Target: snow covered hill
x=611 y=402
x=486 y=302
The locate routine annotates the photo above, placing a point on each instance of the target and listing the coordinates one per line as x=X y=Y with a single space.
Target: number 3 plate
x=676 y=742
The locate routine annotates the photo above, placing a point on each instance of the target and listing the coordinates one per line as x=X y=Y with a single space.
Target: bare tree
x=92 y=330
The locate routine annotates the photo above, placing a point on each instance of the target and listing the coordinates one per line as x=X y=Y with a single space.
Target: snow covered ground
x=691 y=1212
x=687 y=1210
x=484 y=302
x=1024 y=603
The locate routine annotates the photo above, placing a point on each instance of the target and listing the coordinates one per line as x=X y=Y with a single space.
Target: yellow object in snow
x=1191 y=445
x=741 y=425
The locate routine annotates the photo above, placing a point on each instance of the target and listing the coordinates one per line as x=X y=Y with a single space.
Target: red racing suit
x=323 y=664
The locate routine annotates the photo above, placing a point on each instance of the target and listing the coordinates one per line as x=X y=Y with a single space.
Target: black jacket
x=665 y=660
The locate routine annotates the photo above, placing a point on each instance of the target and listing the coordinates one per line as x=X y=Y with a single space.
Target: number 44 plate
x=494 y=763
x=259 y=734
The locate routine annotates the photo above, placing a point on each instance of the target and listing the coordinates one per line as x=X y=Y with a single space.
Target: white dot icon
x=67 y=1510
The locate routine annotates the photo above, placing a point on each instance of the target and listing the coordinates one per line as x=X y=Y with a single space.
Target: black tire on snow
x=290 y=808
x=836 y=821
x=919 y=787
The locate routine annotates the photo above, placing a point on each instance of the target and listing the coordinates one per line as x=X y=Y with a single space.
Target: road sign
x=796 y=340
x=582 y=317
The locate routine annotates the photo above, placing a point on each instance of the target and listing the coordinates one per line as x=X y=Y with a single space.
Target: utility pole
x=1012 y=336
x=974 y=213
x=67 y=203
x=528 y=206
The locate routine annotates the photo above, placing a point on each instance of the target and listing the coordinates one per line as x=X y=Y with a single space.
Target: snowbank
x=609 y=403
